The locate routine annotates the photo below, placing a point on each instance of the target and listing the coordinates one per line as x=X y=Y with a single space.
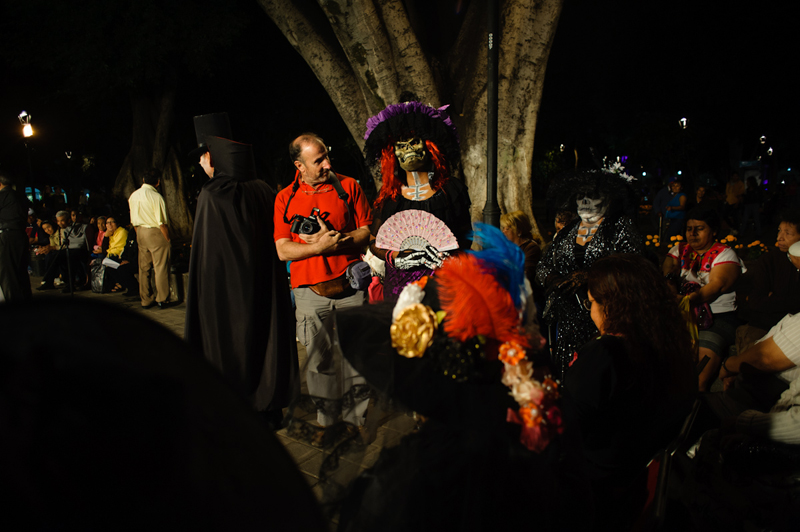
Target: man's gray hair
x=63 y=214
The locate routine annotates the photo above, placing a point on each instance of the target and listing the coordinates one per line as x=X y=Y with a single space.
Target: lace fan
x=414 y=229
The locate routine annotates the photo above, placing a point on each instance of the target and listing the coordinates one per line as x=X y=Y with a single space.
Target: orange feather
x=475 y=303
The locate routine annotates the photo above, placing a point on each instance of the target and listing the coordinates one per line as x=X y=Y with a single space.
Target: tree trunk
x=373 y=55
x=527 y=32
x=153 y=117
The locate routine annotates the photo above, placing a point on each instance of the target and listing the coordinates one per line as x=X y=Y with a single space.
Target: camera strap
x=337 y=186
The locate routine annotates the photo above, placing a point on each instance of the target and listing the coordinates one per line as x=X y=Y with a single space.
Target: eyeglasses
x=587 y=304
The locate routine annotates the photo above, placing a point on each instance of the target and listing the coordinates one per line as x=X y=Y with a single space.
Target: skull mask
x=411 y=154
x=592 y=207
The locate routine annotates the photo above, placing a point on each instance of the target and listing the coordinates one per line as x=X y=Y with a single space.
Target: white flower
x=411 y=295
x=523 y=392
x=511 y=375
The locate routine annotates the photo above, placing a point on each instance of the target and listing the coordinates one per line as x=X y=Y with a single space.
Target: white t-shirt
x=718 y=254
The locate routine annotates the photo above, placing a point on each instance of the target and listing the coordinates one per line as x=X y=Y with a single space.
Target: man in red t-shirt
x=319 y=264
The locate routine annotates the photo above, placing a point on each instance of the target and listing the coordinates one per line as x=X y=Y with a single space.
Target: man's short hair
x=6 y=181
x=152 y=177
x=48 y=222
x=64 y=214
x=296 y=146
x=790 y=216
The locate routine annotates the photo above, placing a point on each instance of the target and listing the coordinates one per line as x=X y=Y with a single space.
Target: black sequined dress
x=565 y=312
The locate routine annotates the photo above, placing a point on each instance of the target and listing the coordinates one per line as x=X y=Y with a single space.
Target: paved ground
x=307 y=458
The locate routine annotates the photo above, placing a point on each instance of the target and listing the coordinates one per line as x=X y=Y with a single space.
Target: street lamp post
x=27 y=132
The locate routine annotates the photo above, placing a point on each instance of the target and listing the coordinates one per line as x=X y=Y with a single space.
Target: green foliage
x=544 y=169
x=101 y=46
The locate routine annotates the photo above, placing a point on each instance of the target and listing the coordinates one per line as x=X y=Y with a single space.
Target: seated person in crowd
x=70 y=242
x=123 y=251
x=630 y=388
x=101 y=233
x=779 y=351
x=713 y=269
x=36 y=235
x=775 y=357
x=771 y=286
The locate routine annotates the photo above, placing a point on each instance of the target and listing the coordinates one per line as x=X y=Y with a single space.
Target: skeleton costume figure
x=603 y=200
x=416 y=150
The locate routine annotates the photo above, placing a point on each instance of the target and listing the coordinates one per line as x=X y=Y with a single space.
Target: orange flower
x=530 y=416
x=421 y=282
x=550 y=386
x=511 y=353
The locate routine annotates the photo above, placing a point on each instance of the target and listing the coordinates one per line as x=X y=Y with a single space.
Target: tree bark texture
x=153 y=117
x=366 y=52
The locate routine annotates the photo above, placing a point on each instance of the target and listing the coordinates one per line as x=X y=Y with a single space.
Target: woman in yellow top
x=117 y=237
x=122 y=276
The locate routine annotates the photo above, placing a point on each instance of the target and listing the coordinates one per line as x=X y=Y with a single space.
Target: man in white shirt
x=776 y=357
x=779 y=351
x=149 y=219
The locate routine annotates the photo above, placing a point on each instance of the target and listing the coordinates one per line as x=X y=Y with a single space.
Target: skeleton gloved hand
x=570 y=283
x=430 y=257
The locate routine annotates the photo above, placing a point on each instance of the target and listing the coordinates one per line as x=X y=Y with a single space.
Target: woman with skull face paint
x=416 y=148
x=603 y=198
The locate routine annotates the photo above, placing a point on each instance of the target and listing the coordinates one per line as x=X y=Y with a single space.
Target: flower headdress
x=618 y=170
x=479 y=317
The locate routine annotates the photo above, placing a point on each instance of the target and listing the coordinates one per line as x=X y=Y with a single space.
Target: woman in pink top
x=101 y=233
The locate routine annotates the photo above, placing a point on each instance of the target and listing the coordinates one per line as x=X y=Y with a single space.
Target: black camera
x=306 y=226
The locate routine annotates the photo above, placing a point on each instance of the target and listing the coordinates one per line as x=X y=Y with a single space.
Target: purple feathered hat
x=411 y=119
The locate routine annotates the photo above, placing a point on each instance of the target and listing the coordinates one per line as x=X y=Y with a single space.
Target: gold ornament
x=412 y=331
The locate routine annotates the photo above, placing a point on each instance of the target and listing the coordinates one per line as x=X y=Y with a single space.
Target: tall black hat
x=210 y=125
x=232 y=158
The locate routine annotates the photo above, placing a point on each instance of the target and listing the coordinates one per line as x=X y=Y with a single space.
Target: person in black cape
x=238 y=295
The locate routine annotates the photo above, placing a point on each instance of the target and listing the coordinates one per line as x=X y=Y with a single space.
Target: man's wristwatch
x=723 y=364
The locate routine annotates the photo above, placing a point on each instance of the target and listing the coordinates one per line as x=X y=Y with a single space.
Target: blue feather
x=504 y=257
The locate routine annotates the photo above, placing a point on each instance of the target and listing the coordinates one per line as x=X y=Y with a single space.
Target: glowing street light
x=27 y=128
x=683 y=122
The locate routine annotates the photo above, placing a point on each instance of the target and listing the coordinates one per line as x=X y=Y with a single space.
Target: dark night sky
x=616 y=69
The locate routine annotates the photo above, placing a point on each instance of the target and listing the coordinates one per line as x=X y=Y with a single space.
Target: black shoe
x=46 y=286
x=163 y=305
x=151 y=305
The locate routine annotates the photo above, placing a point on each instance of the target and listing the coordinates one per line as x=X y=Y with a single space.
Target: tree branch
x=331 y=68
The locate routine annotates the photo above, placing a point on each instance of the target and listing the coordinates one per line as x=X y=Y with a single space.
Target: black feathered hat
x=411 y=119
x=612 y=183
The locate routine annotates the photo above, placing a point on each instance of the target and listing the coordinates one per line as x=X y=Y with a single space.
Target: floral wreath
x=476 y=306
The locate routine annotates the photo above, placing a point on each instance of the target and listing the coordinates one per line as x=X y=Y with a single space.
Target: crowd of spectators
x=65 y=251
